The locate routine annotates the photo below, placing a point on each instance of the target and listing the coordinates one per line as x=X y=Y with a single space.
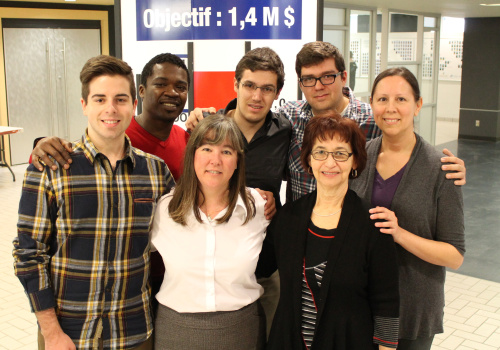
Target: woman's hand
x=390 y=223
x=434 y=252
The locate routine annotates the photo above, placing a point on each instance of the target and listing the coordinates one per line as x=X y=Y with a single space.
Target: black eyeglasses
x=339 y=156
x=326 y=79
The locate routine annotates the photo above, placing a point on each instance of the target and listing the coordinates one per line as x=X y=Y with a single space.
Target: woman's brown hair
x=326 y=127
x=188 y=196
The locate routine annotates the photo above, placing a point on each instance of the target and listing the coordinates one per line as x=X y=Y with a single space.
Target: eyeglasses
x=326 y=79
x=251 y=87
x=339 y=156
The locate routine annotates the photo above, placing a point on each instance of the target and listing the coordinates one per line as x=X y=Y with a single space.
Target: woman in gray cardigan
x=414 y=203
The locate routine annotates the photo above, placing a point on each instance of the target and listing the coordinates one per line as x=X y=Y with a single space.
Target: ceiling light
x=489 y=4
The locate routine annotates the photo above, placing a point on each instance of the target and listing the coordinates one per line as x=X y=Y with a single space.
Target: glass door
x=413 y=43
x=47 y=61
x=351 y=29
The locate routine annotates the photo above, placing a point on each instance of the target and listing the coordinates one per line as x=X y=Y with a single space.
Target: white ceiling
x=450 y=8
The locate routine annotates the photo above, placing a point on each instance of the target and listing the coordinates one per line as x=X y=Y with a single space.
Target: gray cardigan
x=430 y=206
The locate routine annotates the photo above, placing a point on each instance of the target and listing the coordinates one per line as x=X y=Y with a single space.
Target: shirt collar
x=240 y=207
x=348 y=93
x=307 y=109
x=240 y=211
x=91 y=151
x=231 y=105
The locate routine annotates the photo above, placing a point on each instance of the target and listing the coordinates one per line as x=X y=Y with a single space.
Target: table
x=6 y=130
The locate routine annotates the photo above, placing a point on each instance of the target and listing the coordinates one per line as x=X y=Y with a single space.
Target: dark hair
x=399 y=72
x=262 y=58
x=159 y=59
x=315 y=53
x=105 y=65
x=326 y=127
x=211 y=130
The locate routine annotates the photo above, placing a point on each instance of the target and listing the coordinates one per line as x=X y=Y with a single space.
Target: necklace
x=216 y=212
x=327 y=214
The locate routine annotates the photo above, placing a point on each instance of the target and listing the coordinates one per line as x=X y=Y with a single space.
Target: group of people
x=359 y=248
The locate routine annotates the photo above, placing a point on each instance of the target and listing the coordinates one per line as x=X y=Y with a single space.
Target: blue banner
x=218 y=19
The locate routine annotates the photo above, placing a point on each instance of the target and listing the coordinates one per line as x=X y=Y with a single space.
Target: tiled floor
x=18 y=330
x=472 y=312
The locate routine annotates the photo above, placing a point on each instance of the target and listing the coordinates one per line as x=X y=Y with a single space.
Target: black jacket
x=360 y=280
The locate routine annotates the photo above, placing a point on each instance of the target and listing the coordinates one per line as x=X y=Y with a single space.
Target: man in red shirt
x=163 y=91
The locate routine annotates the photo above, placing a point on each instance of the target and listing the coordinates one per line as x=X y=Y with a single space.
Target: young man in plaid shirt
x=82 y=250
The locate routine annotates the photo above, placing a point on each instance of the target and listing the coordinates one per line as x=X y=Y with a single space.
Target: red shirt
x=171 y=150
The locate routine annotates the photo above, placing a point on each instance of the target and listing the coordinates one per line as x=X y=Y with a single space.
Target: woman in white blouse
x=209 y=231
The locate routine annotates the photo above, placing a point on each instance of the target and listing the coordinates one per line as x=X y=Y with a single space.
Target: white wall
x=450 y=70
x=448 y=104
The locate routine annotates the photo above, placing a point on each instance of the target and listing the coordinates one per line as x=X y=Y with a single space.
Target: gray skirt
x=243 y=329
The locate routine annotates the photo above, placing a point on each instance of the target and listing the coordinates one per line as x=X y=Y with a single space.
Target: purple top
x=384 y=190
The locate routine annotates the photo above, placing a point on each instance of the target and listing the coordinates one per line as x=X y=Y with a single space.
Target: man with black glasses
x=322 y=76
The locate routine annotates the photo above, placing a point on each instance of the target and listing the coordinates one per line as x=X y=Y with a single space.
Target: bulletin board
x=450 y=60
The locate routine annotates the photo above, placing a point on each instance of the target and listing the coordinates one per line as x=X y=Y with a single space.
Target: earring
x=354 y=173
x=309 y=171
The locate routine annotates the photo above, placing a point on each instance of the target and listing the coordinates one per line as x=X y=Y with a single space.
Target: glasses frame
x=320 y=79
x=255 y=87
x=333 y=155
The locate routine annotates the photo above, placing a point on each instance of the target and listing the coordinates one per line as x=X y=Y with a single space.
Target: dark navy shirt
x=266 y=153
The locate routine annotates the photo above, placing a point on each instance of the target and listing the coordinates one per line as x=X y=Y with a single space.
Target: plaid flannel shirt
x=83 y=243
x=300 y=182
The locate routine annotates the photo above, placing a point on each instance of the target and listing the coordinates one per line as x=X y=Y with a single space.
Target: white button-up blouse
x=208 y=266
